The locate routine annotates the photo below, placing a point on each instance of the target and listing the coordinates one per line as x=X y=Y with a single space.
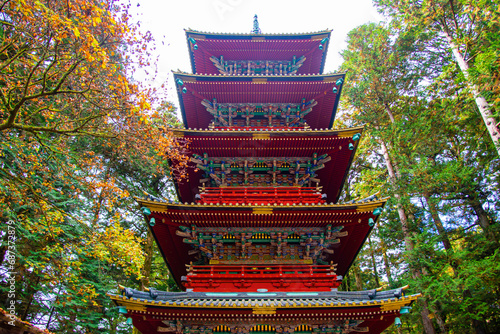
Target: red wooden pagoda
x=257 y=239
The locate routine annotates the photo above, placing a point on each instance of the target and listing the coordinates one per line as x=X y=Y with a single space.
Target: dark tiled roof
x=273 y=299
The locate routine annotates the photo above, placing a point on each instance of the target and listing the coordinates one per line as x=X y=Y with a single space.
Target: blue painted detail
x=405 y=310
x=298 y=294
x=221 y=294
x=256 y=294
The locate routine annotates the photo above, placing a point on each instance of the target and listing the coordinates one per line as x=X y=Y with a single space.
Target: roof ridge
x=257 y=35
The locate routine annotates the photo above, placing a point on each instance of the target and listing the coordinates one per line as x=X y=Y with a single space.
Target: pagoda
x=257 y=240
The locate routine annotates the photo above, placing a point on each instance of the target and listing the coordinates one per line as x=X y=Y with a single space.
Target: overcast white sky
x=167 y=19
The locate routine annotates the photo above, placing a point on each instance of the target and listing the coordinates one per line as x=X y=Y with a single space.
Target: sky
x=167 y=19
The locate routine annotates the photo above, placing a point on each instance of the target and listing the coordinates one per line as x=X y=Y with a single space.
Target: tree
x=71 y=123
x=375 y=65
x=422 y=147
x=469 y=29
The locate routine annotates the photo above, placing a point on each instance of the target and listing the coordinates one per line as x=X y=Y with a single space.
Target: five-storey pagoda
x=257 y=239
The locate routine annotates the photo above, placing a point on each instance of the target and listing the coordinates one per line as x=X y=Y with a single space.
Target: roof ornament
x=256 y=29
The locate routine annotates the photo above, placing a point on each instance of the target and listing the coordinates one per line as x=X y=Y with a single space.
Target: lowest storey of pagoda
x=257 y=239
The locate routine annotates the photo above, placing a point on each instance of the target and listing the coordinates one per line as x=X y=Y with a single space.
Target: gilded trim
x=385 y=305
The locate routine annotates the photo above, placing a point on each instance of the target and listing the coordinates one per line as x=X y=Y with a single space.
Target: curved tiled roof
x=325 y=89
x=169 y=217
x=285 y=35
x=390 y=300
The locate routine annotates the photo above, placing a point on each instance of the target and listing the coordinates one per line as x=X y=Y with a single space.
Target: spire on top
x=256 y=29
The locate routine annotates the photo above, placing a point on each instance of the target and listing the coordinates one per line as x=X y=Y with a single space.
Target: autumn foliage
x=71 y=118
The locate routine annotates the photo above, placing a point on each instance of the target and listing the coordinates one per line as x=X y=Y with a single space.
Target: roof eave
x=251 y=35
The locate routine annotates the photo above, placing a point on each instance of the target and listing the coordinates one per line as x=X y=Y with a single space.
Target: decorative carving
x=258 y=67
x=267 y=326
x=260 y=171
x=259 y=114
x=262 y=245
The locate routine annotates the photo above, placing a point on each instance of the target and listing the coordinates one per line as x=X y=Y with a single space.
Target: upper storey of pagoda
x=255 y=102
x=257 y=54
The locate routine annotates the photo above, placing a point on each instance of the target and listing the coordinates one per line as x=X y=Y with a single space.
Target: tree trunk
x=374 y=263
x=441 y=323
x=427 y=323
x=31 y=288
x=389 y=112
x=401 y=212
x=357 y=277
x=146 y=270
x=477 y=325
x=482 y=104
x=439 y=225
x=483 y=219
x=387 y=266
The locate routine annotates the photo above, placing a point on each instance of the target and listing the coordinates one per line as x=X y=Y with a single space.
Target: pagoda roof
x=257 y=47
x=258 y=89
x=152 y=311
x=273 y=143
x=169 y=217
x=274 y=299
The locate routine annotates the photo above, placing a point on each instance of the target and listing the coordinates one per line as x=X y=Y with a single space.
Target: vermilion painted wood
x=150 y=323
x=253 y=89
x=223 y=144
x=270 y=277
x=258 y=195
x=263 y=47
x=175 y=251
